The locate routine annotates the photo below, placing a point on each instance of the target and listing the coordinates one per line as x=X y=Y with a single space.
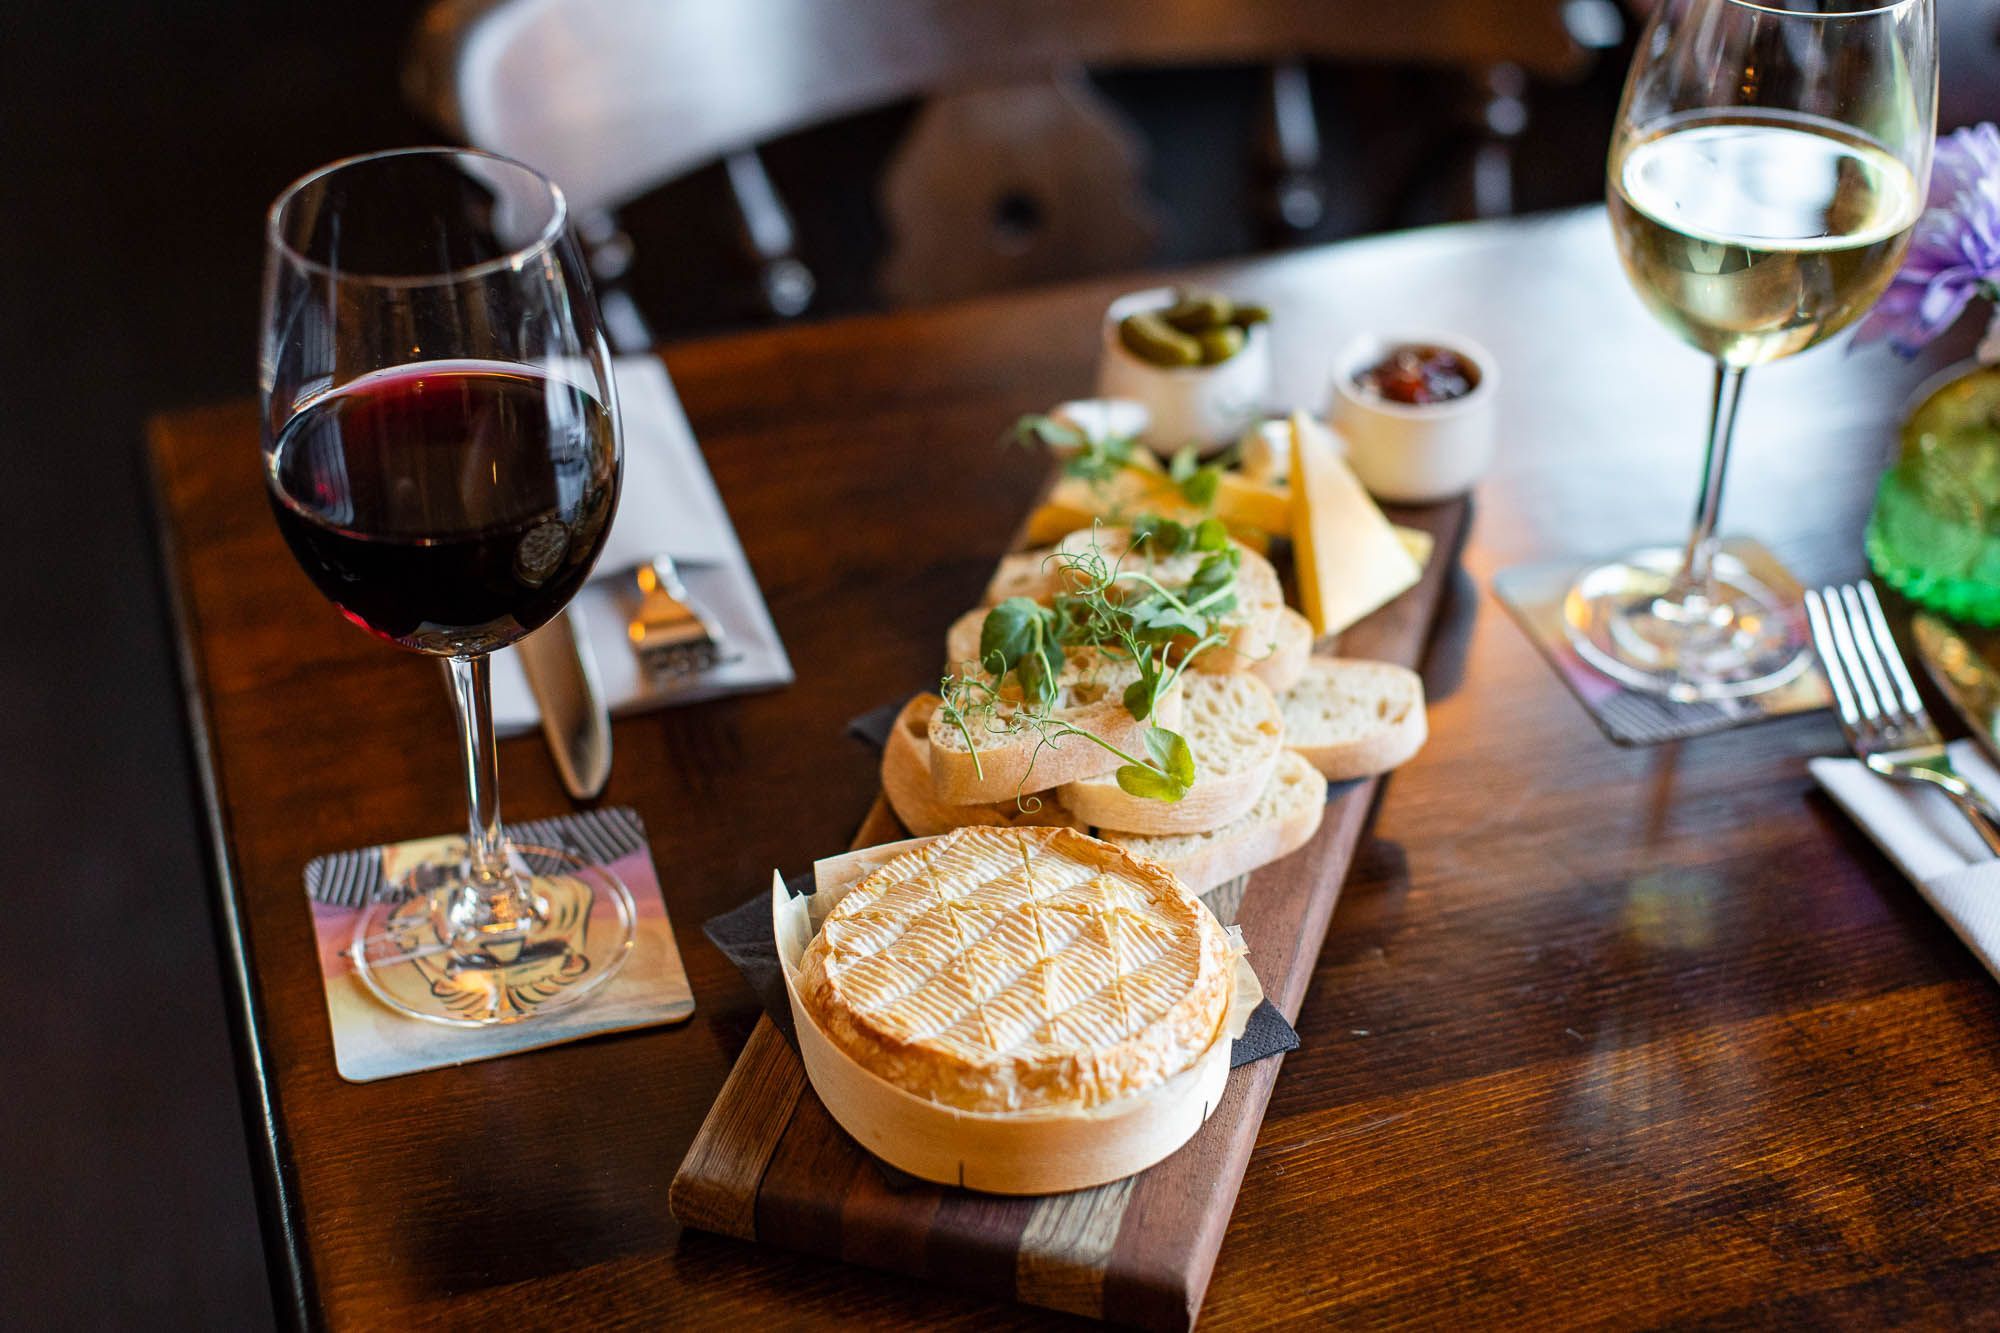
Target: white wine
x=1755 y=235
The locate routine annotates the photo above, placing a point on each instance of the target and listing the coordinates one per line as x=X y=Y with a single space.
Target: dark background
x=141 y=143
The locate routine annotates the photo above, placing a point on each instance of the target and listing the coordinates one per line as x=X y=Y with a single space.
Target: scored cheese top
x=1020 y=969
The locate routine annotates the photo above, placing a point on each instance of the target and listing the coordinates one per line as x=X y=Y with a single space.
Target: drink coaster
x=1534 y=595
x=371 y=1041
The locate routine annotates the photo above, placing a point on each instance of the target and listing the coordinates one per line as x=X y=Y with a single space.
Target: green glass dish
x=1934 y=534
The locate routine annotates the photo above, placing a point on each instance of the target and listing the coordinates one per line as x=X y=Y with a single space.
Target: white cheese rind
x=1000 y=970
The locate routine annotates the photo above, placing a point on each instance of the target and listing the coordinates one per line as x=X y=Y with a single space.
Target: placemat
x=371 y=1041
x=1534 y=595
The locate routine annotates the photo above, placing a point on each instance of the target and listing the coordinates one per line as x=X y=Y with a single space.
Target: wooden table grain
x=1625 y=1037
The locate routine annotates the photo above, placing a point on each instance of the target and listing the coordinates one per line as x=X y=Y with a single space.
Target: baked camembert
x=1000 y=970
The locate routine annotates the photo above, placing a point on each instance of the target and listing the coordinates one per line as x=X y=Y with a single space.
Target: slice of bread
x=1284 y=818
x=1013 y=759
x=1233 y=725
x=906 y=781
x=1029 y=574
x=961 y=641
x=1249 y=626
x=1253 y=628
x=1283 y=663
x=1354 y=718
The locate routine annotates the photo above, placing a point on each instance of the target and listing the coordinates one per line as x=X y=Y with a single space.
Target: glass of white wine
x=1770 y=160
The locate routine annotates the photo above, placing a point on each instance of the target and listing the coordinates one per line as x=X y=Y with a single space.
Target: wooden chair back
x=619 y=96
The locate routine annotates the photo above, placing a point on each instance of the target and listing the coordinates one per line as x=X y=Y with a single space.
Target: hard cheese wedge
x=1074 y=505
x=1348 y=555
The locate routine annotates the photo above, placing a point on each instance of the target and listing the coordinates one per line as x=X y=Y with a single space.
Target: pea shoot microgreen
x=1110 y=613
x=1095 y=459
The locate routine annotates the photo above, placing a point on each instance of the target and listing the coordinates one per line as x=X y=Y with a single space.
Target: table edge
x=286 y=1262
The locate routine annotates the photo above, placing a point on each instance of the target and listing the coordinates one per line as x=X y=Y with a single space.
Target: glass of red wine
x=442 y=453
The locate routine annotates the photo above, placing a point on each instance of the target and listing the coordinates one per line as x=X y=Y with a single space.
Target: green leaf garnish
x=1200 y=487
x=1149 y=784
x=1027 y=641
x=1170 y=751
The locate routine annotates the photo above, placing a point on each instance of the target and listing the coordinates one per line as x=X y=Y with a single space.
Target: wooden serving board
x=770 y=1165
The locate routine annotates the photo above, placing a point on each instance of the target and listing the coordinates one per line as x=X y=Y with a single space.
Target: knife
x=1963 y=676
x=563 y=676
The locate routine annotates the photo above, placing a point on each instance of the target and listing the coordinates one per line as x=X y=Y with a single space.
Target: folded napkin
x=669 y=504
x=1930 y=841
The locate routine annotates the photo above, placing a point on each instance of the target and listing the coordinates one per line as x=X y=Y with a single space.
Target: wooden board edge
x=715 y=1188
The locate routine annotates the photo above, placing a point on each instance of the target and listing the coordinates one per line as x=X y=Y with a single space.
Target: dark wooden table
x=1630 y=1037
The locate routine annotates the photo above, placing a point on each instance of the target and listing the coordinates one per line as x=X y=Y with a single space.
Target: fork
x=673 y=634
x=1881 y=713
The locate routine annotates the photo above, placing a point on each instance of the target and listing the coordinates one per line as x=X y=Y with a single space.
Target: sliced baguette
x=1233 y=725
x=1012 y=759
x=1284 y=819
x=1029 y=574
x=1353 y=718
x=1254 y=626
x=1274 y=644
x=1249 y=625
x=906 y=781
x=961 y=641
x=1283 y=663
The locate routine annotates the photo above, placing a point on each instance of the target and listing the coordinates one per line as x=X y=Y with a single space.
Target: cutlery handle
x=1984 y=818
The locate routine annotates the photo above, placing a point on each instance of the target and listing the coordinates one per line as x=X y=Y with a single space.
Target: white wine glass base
x=416 y=953
x=1632 y=621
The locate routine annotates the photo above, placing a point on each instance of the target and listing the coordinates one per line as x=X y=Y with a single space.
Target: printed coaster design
x=371 y=1041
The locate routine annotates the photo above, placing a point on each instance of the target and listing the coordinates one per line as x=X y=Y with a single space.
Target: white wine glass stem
x=1697 y=576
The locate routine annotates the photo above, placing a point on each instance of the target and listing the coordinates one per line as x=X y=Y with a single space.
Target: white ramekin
x=1414 y=453
x=1207 y=406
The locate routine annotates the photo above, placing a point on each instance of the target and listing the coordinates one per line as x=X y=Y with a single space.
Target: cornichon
x=1198 y=329
x=1150 y=338
x=1220 y=344
x=1197 y=312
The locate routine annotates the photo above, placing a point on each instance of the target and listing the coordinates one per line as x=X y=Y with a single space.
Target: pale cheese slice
x=1252 y=512
x=1349 y=559
x=1239 y=501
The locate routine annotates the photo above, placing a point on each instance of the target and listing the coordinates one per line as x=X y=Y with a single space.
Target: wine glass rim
x=1860 y=11
x=513 y=260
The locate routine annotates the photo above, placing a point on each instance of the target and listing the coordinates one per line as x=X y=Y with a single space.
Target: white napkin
x=669 y=504
x=1930 y=841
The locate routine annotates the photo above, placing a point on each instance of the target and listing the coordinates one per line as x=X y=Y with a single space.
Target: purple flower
x=1955 y=250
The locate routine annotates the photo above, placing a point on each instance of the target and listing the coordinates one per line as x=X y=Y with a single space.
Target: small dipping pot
x=1415 y=453
x=1206 y=406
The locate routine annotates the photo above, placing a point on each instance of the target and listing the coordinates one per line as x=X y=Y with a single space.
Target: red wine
x=449 y=507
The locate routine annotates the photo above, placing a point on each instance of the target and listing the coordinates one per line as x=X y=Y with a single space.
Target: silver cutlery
x=675 y=637
x=1880 y=712
x=576 y=722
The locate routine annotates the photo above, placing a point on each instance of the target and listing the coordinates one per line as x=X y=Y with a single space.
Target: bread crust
x=1249 y=628
x=1284 y=662
x=909 y=974
x=1248 y=843
x=906 y=781
x=1018 y=762
x=1392 y=740
x=1224 y=718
